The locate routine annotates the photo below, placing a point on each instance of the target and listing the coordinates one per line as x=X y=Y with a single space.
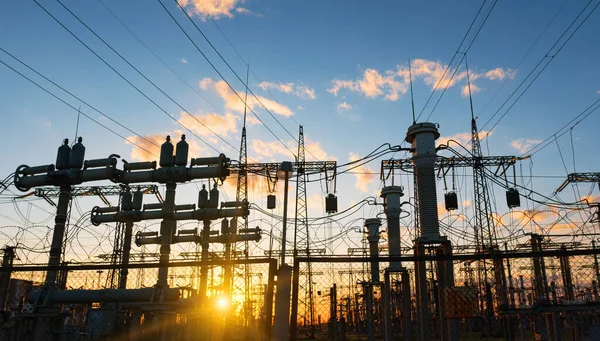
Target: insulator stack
x=422 y=136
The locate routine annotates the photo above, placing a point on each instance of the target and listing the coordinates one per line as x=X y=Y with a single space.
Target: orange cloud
x=214 y=8
x=364 y=175
x=233 y=102
x=343 y=107
x=524 y=145
x=465 y=90
x=221 y=125
x=151 y=146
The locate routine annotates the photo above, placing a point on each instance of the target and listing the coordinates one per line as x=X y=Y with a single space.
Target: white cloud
x=391 y=84
x=364 y=175
x=233 y=102
x=372 y=84
x=269 y=149
x=500 y=73
x=184 y=61
x=465 y=90
x=523 y=145
x=598 y=92
x=304 y=92
x=462 y=138
x=300 y=107
x=343 y=107
x=214 y=8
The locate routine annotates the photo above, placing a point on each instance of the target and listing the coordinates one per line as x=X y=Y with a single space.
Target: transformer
x=77 y=155
x=203 y=197
x=512 y=198
x=63 y=155
x=126 y=201
x=451 y=201
x=213 y=201
x=271 y=201
x=224 y=226
x=181 y=152
x=331 y=205
x=166 y=153
x=137 y=200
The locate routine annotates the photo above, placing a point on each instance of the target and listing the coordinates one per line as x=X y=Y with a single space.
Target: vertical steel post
x=60 y=220
x=368 y=292
x=423 y=318
x=167 y=229
x=269 y=299
x=281 y=331
x=7 y=263
x=126 y=252
x=387 y=317
x=285 y=209
x=407 y=307
x=204 y=258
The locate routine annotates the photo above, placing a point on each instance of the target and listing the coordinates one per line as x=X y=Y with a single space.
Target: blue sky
x=337 y=67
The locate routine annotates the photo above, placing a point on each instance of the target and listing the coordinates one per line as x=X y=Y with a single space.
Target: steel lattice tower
x=242 y=195
x=302 y=235
x=485 y=231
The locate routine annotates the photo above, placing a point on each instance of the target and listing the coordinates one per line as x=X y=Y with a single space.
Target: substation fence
x=549 y=295
x=86 y=303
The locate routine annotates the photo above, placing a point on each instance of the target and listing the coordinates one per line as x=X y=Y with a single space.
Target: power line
x=73 y=107
x=252 y=71
x=560 y=132
x=147 y=79
x=524 y=56
x=123 y=77
x=158 y=58
x=221 y=75
x=458 y=52
x=78 y=98
x=541 y=66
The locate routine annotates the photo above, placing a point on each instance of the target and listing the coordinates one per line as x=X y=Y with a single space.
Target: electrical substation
x=183 y=241
x=415 y=286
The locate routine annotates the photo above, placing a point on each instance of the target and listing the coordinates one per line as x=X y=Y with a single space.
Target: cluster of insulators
x=180 y=158
x=70 y=158
x=204 y=201
x=131 y=201
x=512 y=199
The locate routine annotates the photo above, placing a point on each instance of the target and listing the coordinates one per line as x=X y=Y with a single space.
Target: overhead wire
x=73 y=107
x=540 y=67
x=459 y=52
x=79 y=99
x=123 y=77
x=223 y=78
x=152 y=83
